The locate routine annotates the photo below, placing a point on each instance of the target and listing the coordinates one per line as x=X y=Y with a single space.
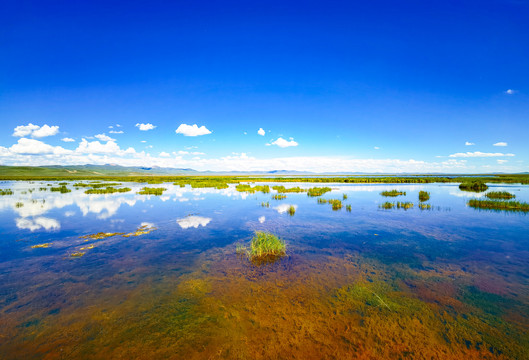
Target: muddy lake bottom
x=449 y=282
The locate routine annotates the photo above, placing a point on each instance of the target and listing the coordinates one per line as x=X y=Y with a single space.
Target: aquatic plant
x=91 y=246
x=500 y=195
x=404 y=205
x=62 y=189
x=336 y=204
x=424 y=196
x=499 y=205
x=77 y=254
x=281 y=189
x=424 y=206
x=322 y=201
x=19 y=204
x=392 y=193
x=344 y=197
x=108 y=190
x=99 y=235
x=265 y=204
x=6 y=192
x=142 y=230
x=41 y=246
x=348 y=208
x=318 y=191
x=151 y=191
x=264 y=244
x=265 y=189
x=63 y=183
x=291 y=210
x=387 y=205
x=475 y=186
x=43 y=189
x=279 y=196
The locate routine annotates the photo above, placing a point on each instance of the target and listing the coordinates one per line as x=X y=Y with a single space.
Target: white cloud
x=67 y=139
x=37 y=223
x=192 y=130
x=32 y=146
x=116 y=132
x=501 y=143
x=510 y=91
x=478 y=154
x=95 y=147
x=145 y=127
x=262 y=219
x=376 y=148
x=502 y=161
x=35 y=130
x=164 y=154
x=117 y=125
x=45 y=131
x=104 y=137
x=193 y=221
x=282 y=143
x=467 y=143
x=261 y=132
x=143 y=141
x=110 y=127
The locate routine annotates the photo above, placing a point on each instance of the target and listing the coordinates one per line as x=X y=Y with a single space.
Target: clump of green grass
x=265 y=204
x=265 y=244
x=404 y=205
x=6 y=192
x=108 y=190
x=500 y=195
x=281 y=189
x=344 y=197
x=279 y=196
x=318 y=191
x=265 y=189
x=151 y=191
x=499 y=205
x=291 y=210
x=424 y=196
x=97 y=185
x=475 y=186
x=336 y=204
x=63 y=183
x=43 y=189
x=424 y=206
x=392 y=193
x=62 y=189
x=348 y=208
x=19 y=204
x=217 y=183
x=387 y=205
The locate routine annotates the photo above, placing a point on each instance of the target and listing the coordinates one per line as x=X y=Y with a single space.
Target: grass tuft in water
x=151 y=191
x=62 y=189
x=6 y=192
x=423 y=206
x=499 y=205
x=387 y=205
x=404 y=205
x=348 y=208
x=424 y=196
x=265 y=189
x=265 y=204
x=279 y=196
x=291 y=210
x=392 y=193
x=265 y=244
x=41 y=246
x=281 y=189
x=500 y=195
x=318 y=191
x=108 y=190
x=475 y=186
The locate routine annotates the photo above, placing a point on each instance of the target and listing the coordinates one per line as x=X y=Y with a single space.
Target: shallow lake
x=365 y=282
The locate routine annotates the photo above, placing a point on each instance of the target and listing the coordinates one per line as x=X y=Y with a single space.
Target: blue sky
x=373 y=86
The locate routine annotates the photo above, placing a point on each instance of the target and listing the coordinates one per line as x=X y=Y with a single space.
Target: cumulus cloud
x=116 y=132
x=467 y=143
x=164 y=154
x=37 y=223
x=501 y=143
x=193 y=222
x=145 y=127
x=262 y=219
x=192 y=130
x=261 y=132
x=35 y=130
x=95 y=147
x=32 y=146
x=501 y=161
x=510 y=91
x=104 y=137
x=282 y=143
x=67 y=139
x=376 y=148
x=478 y=154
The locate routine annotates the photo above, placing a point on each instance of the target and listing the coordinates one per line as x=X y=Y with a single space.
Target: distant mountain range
x=117 y=170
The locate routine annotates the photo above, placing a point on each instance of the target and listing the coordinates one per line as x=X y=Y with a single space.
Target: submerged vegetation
x=392 y=193
x=318 y=191
x=151 y=191
x=107 y=190
x=500 y=195
x=424 y=196
x=499 y=205
x=263 y=246
x=473 y=185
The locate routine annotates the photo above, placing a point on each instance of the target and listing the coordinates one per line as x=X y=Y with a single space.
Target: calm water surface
x=451 y=282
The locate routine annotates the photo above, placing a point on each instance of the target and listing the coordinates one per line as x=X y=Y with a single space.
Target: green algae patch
x=77 y=254
x=142 y=230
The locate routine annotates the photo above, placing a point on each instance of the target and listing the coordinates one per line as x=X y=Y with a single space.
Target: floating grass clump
x=6 y=192
x=318 y=191
x=108 y=190
x=348 y=208
x=404 y=205
x=151 y=191
x=500 y=195
x=291 y=210
x=41 y=246
x=336 y=204
x=99 y=235
x=279 y=196
x=499 y=205
x=344 y=197
x=281 y=189
x=97 y=185
x=263 y=246
x=387 y=205
x=265 y=189
x=475 y=186
x=423 y=206
x=62 y=189
x=424 y=196
x=265 y=204
x=392 y=193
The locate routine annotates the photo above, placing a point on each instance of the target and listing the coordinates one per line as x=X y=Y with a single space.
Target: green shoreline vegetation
x=499 y=205
x=500 y=195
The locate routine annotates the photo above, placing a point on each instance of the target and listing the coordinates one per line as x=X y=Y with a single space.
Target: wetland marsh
x=92 y=271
